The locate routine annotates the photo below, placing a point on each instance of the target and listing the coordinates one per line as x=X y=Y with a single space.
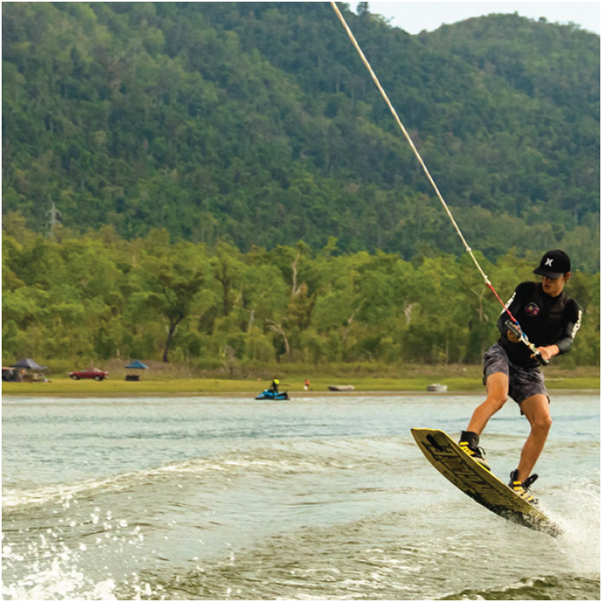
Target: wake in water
x=549 y=587
x=297 y=520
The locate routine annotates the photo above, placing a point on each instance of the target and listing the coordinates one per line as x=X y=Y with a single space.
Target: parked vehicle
x=94 y=373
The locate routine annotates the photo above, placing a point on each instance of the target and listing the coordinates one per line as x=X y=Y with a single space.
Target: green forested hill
x=257 y=123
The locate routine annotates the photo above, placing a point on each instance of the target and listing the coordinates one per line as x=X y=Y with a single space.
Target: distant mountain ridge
x=257 y=123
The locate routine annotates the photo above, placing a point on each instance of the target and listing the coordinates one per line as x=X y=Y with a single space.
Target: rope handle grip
x=515 y=328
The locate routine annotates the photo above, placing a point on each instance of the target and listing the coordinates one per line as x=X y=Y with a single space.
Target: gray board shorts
x=523 y=382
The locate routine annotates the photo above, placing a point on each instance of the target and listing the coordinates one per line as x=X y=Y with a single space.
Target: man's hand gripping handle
x=516 y=330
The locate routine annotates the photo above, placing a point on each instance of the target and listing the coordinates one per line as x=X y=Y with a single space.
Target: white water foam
x=47 y=567
x=579 y=519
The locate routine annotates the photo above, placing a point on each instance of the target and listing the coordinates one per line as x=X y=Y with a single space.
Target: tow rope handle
x=515 y=328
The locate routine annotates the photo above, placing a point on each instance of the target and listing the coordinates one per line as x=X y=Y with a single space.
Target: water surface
x=314 y=498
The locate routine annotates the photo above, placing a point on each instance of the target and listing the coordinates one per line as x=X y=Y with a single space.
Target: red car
x=94 y=373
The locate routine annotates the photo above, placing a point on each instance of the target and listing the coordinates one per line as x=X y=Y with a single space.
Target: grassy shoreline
x=59 y=387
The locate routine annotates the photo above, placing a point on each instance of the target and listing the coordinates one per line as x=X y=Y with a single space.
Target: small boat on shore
x=437 y=388
x=341 y=388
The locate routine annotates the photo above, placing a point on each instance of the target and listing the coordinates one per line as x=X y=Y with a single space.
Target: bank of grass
x=178 y=380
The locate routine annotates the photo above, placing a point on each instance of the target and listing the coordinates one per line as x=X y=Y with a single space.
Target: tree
x=174 y=281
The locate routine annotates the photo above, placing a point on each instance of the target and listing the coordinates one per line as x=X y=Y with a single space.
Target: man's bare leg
x=537 y=411
x=497 y=395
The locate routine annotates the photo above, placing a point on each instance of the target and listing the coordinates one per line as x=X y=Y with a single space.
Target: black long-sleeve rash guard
x=545 y=320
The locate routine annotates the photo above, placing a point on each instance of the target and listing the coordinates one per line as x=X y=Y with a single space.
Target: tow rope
x=513 y=322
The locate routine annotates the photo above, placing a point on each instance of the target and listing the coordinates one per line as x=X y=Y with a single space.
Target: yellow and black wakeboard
x=479 y=483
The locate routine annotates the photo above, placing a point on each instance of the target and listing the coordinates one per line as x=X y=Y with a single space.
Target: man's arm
x=567 y=336
x=570 y=329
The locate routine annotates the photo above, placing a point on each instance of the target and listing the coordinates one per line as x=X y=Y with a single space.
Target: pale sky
x=414 y=17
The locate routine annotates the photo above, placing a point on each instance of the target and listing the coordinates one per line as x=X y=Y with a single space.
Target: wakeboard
x=479 y=483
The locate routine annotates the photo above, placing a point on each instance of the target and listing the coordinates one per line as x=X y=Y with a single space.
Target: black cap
x=554 y=264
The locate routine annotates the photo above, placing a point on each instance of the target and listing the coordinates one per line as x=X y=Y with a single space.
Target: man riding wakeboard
x=550 y=319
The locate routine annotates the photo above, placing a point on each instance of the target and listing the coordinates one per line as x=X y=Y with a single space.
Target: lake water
x=315 y=498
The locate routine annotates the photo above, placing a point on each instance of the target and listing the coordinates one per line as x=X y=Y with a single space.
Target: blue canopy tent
x=135 y=365
x=29 y=364
x=19 y=373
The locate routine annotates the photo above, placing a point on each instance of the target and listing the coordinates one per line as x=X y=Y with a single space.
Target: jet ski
x=267 y=394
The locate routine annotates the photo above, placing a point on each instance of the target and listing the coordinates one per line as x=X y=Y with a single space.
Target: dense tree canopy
x=257 y=124
x=99 y=296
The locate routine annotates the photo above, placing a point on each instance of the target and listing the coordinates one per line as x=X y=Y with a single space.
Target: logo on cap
x=549 y=262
